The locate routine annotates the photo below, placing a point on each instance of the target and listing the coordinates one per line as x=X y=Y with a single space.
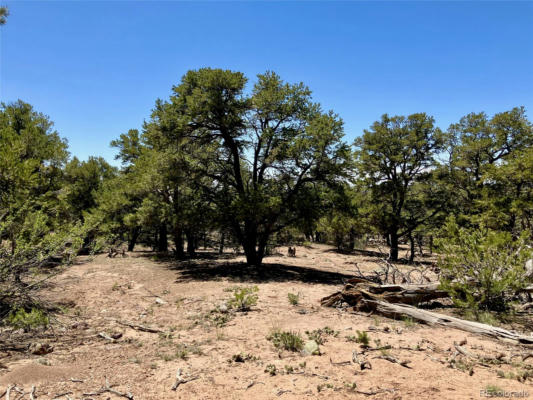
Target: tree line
x=225 y=161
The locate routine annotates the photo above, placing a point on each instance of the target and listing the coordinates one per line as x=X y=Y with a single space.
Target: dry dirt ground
x=179 y=299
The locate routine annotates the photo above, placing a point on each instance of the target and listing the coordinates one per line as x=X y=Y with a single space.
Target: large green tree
x=490 y=170
x=262 y=151
x=395 y=159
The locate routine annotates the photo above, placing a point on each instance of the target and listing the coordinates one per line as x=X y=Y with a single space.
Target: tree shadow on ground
x=376 y=256
x=208 y=267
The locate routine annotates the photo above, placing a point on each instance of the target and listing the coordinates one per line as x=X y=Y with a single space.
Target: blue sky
x=96 y=68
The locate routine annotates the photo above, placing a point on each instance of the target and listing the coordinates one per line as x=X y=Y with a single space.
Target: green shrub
x=271 y=369
x=244 y=298
x=291 y=341
x=362 y=338
x=319 y=335
x=21 y=319
x=294 y=299
x=481 y=269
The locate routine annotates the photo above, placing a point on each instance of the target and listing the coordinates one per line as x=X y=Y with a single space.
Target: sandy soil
x=178 y=298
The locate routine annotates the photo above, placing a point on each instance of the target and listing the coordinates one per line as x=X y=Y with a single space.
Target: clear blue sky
x=96 y=68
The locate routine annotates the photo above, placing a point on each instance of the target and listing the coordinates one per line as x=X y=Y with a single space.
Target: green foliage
x=362 y=338
x=482 y=269
x=286 y=340
x=271 y=369
x=396 y=158
x=4 y=13
x=319 y=335
x=294 y=299
x=21 y=319
x=244 y=298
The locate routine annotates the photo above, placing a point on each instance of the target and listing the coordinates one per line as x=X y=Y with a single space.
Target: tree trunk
x=178 y=242
x=430 y=244
x=162 y=242
x=412 y=253
x=254 y=255
x=190 y=243
x=351 y=241
x=133 y=238
x=221 y=245
x=393 y=255
x=420 y=241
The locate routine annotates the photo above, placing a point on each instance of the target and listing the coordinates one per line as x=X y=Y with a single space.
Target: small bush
x=242 y=357
x=21 y=319
x=482 y=269
x=271 y=369
x=319 y=335
x=294 y=299
x=291 y=341
x=362 y=338
x=244 y=298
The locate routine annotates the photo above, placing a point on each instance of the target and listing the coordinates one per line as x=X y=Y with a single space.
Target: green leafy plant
x=294 y=299
x=482 y=269
x=319 y=335
x=286 y=340
x=271 y=369
x=362 y=338
x=21 y=319
x=244 y=298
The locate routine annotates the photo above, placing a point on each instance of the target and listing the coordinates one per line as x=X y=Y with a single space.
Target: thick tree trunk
x=191 y=245
x=178 y=242
x=162 y=241
x=254 y=254
x=133 y=238
x=393 y=255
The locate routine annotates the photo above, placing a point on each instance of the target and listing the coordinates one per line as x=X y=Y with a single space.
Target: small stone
x=160 y=301
x=223 y=308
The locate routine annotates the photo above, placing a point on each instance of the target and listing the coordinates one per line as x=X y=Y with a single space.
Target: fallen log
x=358 y=289
x=397 y=311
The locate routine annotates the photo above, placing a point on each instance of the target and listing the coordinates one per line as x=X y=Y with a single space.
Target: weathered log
x=358 y=289
x=402 y=310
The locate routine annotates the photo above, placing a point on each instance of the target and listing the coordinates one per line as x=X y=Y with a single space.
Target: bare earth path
x=178 y=298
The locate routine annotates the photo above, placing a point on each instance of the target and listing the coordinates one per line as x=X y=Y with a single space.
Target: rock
x=311 y=348
x=40 y=348
x=160 y=301
x=223 y=308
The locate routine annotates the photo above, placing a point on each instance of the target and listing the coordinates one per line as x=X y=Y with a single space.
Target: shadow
x=213 y=270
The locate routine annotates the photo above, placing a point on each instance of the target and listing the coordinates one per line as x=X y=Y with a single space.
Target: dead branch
x=108 y=389
x=180 y=380
x=402 y=310
x=394 y=360
x=137 y=327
